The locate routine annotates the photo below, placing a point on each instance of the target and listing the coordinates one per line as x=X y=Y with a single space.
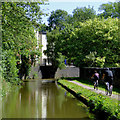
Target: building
x=42 y=40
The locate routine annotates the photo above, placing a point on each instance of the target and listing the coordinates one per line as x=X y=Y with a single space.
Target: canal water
x=42 y=99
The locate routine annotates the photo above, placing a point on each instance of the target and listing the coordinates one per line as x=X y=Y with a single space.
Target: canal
x=42 y=99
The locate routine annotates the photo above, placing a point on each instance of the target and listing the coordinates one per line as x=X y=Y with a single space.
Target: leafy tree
x=99 y=36
x=10 y=71
x=110 y=10
x=93 y=43
x=18 y=37
x=58 y=42
x=57 y=18
x=61 y=60
x=85 y=40
x=51 y=52
x=93 y=60
x=83 y=14
x=70 y=19
x=43 y=27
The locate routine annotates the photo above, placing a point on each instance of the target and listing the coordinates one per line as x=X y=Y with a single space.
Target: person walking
x=95 y=78
x=108 y=79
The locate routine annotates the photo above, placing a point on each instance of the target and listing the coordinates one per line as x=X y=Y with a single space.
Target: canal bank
x=99 y=104
x=42 y=99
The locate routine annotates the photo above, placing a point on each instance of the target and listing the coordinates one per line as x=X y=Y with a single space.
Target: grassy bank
x=99 y=104
x=90 y=84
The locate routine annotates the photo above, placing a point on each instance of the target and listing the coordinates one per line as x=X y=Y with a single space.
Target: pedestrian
x=108 y=79
x=65 y=62
x=95 y=78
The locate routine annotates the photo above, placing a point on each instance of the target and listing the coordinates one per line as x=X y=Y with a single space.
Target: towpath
x=115 y=96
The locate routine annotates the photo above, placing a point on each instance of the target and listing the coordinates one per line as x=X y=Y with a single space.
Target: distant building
x=42 y=40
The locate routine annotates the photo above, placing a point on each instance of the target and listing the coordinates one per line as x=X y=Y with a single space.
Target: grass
x=102 y=104
x=90 y=84
x=101 y=87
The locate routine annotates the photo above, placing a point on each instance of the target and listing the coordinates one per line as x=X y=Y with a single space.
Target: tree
x=83 y=14
x=110 y=10
x=58 y=42
x=100 y=36
x=18 y=37
x=93 y=43
x=57 y=19
x=43 y=27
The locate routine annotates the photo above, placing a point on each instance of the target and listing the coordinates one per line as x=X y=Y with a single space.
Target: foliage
x=92 y=43
x=17 y=29
x=83 y=14
x=110 y=10
x=9 y=67
x=43 y=28
x=60 y=60
x=93 y=60
x=57 y=19
x=19 y=20
x=100 y=36
x=6 y=87
x=57 y=43
x=85 y=39
x=50 y=52
x=102 y=104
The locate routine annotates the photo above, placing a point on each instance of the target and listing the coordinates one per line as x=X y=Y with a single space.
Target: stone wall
x=35 y=72
x=69 y=71
x=44 y=72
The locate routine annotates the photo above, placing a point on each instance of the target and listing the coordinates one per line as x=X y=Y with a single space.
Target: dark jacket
x=108 y=76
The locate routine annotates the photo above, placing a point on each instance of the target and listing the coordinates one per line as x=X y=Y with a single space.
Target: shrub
x=9 y=69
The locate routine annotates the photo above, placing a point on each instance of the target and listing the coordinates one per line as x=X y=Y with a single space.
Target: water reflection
x=41 y=99
x=44 y=103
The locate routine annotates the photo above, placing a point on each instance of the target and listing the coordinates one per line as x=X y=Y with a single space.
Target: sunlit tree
x=19 y=20
x=57 y=19
x=110 y=10
x=83 y=14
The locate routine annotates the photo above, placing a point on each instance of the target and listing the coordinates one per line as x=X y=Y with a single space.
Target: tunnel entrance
x=48 y=71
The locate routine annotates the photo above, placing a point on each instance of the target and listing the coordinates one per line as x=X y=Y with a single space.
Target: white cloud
x=83 y=0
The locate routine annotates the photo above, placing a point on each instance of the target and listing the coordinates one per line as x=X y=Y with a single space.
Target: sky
x=70 y=5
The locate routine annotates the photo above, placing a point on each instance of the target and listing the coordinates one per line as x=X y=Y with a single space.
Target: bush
x=9 y=69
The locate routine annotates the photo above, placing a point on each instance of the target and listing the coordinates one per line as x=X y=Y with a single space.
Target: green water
x=42 y=99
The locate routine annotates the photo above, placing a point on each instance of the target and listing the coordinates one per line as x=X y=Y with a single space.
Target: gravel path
x=97 y=91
